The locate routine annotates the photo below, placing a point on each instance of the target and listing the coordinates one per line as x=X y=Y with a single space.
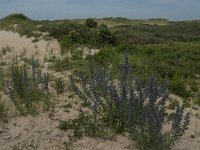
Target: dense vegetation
x=154 y=34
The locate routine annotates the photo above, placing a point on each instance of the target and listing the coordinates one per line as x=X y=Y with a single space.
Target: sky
x=75 y=9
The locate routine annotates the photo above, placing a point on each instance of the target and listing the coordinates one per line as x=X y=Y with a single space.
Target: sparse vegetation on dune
x=150 y=95
x=27 y=91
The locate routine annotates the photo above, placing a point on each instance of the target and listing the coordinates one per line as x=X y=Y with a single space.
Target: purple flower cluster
x=23 y=89
x=124 y=104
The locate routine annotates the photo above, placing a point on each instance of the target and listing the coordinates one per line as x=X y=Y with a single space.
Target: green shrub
x=104 y=56
x=197 y=100
x=107 y=37
x=67 y=45
x=62 y=64
x=91 y=23
x=178 y=87
x=103 y=27
x=27 y=32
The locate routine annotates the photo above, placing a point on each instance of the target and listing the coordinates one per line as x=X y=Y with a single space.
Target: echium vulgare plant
x=25 y=88
x=125 y=105
x=59 y=85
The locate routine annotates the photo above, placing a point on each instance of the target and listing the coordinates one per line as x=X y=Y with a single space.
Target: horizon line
x=82 y=18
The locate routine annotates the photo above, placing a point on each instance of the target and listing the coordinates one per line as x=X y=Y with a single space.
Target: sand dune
x=42 y=132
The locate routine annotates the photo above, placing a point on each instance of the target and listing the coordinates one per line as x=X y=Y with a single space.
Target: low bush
x=67 y=45
x=103 y=56
x=61 y=64
x=178 y=87
x=91 y=23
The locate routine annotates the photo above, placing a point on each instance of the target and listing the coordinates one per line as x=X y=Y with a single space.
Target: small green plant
x=35 y=40
x=61 y=64
x=173 y=104
x=178 y=87
x=59 y=85
x=67 y=107
x=187 y=102
x=197 y=100
x=26 y=91
x=2 y=109
x=6 y=50
x=67 y=44
x=50 y=58
x=65 y=125
x=2 y=76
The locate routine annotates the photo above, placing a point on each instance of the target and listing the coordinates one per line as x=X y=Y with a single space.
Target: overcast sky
x=134 y=9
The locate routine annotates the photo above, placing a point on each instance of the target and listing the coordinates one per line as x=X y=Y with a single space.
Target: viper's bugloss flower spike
x=124 y=104
x=24 y=88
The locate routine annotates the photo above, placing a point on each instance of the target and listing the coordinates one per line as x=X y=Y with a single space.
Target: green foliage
x=91 y=23
x=103 y=26
x=82 y=126
x=5 y=50
x=16 y=16
x=58 y=30
x=27 y=92
x=2 y=77
x=197 y=100
x=104 y=56
x=107 y=37
x=178 y=63
x=179 y=88
x=173 y=104
x=35 y=40
x=67 y=45
x=65 y=125
x=154 y=34
x=59 y=85
x=61 y=64
x=2 y=109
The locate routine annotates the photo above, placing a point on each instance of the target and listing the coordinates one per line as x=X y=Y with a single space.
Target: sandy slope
x=42 y=132
x=18 y=44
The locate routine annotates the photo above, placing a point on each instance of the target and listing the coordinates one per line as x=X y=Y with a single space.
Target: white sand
x=18 y=44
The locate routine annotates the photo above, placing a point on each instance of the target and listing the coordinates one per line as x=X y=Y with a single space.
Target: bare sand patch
x=20 y=44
